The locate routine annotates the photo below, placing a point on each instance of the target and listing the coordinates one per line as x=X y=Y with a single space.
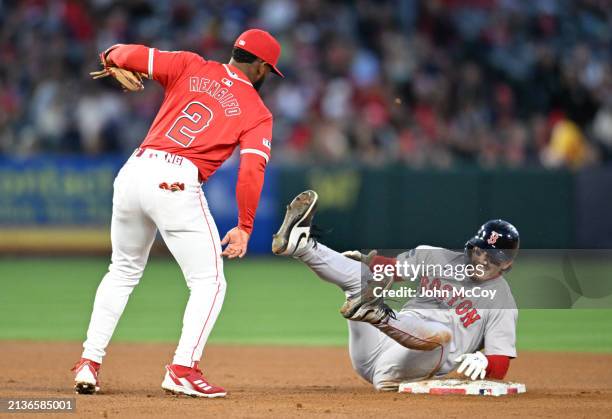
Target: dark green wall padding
x=400 y=208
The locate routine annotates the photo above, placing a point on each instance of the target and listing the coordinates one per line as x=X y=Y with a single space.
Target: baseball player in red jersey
x=209 y=108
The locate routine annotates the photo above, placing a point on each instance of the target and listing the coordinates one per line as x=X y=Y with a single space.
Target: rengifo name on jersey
x=214 y=89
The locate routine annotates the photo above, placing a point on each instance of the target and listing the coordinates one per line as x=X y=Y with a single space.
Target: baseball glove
x=130 y=81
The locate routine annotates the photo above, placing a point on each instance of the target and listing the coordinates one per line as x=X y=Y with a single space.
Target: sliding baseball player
x=451 y=327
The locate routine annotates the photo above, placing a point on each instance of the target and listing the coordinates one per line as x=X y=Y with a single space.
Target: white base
x=463 y=387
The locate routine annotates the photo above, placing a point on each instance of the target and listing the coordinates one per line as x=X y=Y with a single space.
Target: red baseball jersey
x=209 y=108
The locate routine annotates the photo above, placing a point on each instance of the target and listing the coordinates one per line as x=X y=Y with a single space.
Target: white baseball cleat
x=190 y=381
x=294 y=232
x=86 y=376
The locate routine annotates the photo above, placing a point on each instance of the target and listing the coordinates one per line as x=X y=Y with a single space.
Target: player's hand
x=473 y=366
x=360 y=257
x=237 y=241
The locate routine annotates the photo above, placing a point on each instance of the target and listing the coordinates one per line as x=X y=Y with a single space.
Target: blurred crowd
x=437 y=83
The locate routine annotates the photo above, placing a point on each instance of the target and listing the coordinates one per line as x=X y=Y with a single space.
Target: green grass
x=268 y=301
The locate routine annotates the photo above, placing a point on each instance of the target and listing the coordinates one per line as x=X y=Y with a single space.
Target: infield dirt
x=274 y=381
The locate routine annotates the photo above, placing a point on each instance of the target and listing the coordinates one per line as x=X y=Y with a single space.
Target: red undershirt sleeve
x=248 y=189
x=255 y=145
x=498 y=366
x=129 y=57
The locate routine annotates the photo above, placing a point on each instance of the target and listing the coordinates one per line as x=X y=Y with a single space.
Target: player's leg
x=132 y=234
x=416 y=348
x=197 y=249
x=366 y=342
x=131 y=238
x=365 y=346
x=191 y=235
x=383 y=361
x=293 y=239
x=331 y=266
x=397 y=364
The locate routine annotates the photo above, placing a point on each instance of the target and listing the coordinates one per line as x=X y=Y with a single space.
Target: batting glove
x=473 y=365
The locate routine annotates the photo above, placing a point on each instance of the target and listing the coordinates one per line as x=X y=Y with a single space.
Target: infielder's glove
x=360 y=257
x=473 y=366
x=129 y=80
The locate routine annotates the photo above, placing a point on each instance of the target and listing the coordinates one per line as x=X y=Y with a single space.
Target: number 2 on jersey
x=193 y=120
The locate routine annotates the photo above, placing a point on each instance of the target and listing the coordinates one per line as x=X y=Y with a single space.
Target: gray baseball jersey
x=480 y=314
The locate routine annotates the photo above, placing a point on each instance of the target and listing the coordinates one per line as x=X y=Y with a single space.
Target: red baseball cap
x=261 y=44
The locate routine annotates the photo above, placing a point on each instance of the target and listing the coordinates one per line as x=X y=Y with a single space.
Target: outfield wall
x=63 y=204
x=400 y=208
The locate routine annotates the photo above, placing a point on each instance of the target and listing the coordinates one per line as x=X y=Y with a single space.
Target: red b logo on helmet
x=493 y=238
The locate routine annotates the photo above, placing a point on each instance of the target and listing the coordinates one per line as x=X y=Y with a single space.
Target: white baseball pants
x=140 y=207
